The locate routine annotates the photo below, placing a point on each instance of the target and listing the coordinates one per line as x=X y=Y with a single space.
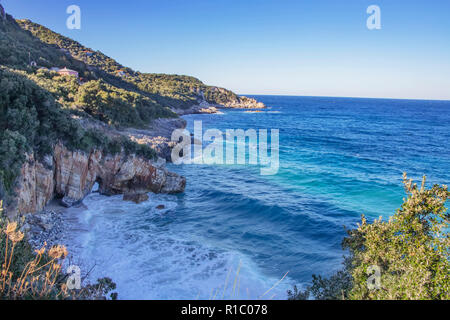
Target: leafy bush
x=411 y=249
x=33 y=121
x=118 y=107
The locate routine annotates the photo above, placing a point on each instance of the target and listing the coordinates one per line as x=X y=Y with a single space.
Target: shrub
x=118 y=107
x=411 y=249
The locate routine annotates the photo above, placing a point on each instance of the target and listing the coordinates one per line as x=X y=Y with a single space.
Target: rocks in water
x=135 y=197
x=209 y=110
x=244 y=103
x=174 y=183
x=161 y=207
x=69 y=202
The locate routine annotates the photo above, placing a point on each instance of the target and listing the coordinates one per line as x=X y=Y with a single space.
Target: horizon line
x=343 y=97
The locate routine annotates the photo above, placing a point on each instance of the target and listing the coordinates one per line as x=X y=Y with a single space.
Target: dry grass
x=235 y=292
x=37 y=275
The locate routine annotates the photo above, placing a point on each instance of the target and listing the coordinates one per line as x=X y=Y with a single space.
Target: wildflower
x=11 y=227
x=16 y=236
x=40 y=251
x=56 y=267
x=57 y=252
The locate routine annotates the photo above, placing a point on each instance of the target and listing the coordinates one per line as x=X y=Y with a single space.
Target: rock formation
x=135 y=197
x=70 y=175
x=245 y=103
x=157 y=136
x=238 y=102
x=203 y=106
x=2 y=13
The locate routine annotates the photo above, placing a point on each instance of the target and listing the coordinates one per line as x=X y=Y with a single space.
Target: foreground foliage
x=30 y=275
x=411 y=250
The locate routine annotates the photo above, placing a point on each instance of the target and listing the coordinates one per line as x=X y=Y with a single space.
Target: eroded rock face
x=36 y=184
x=70 y=175
x=135 y=197
x=2 y=13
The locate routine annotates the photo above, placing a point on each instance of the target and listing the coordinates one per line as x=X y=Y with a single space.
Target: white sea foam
x=149 y=256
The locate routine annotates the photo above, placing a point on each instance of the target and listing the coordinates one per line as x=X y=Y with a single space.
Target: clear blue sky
x=313 y=47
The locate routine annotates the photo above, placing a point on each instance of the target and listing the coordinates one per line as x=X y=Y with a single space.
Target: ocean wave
x=134 y=246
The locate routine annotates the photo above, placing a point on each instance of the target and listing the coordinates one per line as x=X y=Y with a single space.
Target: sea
x=237 y=234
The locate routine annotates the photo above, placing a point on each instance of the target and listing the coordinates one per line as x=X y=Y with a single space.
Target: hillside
x=174 y=91
x=98 y=109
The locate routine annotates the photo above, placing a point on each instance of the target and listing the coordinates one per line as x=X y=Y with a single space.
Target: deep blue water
x=339 y=158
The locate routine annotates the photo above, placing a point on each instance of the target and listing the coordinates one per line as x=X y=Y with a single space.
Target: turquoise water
x=339 y=158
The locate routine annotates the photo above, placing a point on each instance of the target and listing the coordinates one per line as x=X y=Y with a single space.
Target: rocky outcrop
x=203 y=106
x=2 y=13
x=245 y=103
x=237 y=102
x=210 y=110
x=36 y=185
x=157 y=136
x=135 y=197
x=70 y=175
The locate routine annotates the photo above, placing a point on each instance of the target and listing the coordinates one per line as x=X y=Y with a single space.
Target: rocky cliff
x=2 y=13
x=70 y=175
x=203 y=106
x=244 y=103
x=227 y=99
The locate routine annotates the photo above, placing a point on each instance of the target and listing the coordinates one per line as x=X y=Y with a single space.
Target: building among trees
x=67 y=72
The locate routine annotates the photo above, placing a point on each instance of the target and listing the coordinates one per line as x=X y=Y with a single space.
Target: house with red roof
x=68 y=72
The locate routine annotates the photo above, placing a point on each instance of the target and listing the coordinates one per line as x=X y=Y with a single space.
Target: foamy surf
x=136 y=246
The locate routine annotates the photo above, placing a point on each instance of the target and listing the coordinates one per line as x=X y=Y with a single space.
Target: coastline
x=240 y=212
x=50 y=226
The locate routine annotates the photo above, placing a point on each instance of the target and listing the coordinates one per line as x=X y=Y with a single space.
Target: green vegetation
x=117 y=106
x=19 y=48
x=42 y=107
x=34 y=121
x=174 y=91
x=411 y=249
